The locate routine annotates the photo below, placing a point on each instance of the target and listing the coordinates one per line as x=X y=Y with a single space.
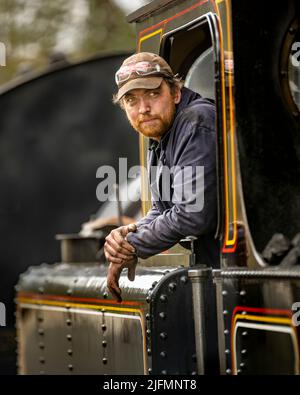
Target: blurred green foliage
x=36 y=31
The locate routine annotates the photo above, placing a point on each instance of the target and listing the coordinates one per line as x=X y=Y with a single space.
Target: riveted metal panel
x=259 y=336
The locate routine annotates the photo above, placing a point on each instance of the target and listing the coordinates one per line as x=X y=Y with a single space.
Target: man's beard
x=157 y=126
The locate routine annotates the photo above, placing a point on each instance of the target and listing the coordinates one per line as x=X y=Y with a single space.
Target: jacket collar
x=187 y=96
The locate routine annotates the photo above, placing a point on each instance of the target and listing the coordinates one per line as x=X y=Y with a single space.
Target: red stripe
x=261 y=310
x=174 y=16
x=76 y=299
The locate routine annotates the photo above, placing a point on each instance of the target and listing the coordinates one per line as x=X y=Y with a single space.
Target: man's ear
x=177 y=96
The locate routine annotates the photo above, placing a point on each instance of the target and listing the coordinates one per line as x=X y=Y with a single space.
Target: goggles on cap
x=143 y=68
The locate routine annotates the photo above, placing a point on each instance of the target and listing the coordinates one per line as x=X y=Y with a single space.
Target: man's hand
x=121 y=255
x=113 y=275
x=116 y=248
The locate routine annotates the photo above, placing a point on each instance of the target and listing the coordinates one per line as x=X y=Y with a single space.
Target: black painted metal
x=172 y=328
x=268 y=135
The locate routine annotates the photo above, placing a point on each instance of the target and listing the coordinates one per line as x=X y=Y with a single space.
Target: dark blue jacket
x=191 y=141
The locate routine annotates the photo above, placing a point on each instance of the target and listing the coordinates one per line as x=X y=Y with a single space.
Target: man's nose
x=144 y=106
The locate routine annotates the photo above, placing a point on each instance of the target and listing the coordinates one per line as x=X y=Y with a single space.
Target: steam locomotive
x=178 y=317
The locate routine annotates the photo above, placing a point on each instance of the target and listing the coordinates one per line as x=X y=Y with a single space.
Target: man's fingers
x=113 y=282
x=113 y=259
x=119 y=238
x=131 y=271
x=124 y=230
x=115 y=293
x=113 y=253
x=119 y=244
x=132 y=228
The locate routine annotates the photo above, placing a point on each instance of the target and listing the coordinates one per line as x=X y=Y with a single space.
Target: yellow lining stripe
x=232 y=128
x=142 y=138
x=224 y=121
x=275 y=320
x=159 y=31
x=77 y=305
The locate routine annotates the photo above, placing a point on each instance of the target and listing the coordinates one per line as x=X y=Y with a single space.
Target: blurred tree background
x=38 y=32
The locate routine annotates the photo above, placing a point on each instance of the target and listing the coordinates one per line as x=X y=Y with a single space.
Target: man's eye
x=129 y=100
x=154 y=94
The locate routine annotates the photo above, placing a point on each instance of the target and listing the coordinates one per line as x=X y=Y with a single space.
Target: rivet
x=147 y=316
x=103 y=311
x=228 y=371
x=224 y=293
x=69 y=337
x=154 y=284
x=70 y=367
x=148 y=332
x=292 y=30
x=103 y=327
x=41 y=290
x=163 y=354
x=42 y=372
x=225 y=312
x=242 y=365
x=245 y=334
x=227 y=351
x=295 y=114
x=105 y=295
x=69 y=292
x=184 y=279
x=164 y=372
x=70 y=351
x=166 y=272
x=75 y=280
x=68 y=322
x=41 y=345
x=149 y=351
x=104 y=361
x=68 y=306
x=40 y=319
x=163 y=298
x=239 y=371
x=194 y=373
x=163 y=335
x=162 y=315
x=104 y=343
x=194 y=358
x=42 y=360
x=41 y=331
x=244 y=352
x=172 y=286
x=150 y=371
x=243 y=293
x=244 y=312
x=226 y=332
x=148 y=299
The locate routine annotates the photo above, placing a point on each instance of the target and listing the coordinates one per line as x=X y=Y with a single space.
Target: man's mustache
x=143 y=119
